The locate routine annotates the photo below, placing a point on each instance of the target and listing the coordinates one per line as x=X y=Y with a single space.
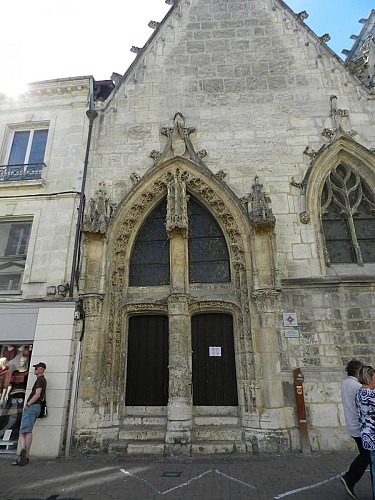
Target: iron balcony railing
x=21 y=171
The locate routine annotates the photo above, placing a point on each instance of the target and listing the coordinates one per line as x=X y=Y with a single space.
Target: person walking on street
x=30 y=413
x=365 y=401
x=349 y=388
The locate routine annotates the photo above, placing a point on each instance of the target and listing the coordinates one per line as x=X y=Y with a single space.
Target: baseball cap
x=40 y=365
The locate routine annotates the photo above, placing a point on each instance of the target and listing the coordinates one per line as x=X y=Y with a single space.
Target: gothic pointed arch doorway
x=177 y=249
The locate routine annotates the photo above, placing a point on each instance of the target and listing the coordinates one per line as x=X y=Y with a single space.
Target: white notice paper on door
x=214 y=351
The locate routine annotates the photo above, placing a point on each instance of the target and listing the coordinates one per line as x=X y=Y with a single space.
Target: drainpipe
x=91 y=115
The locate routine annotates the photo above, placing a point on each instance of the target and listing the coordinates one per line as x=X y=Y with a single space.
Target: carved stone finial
x=179 y=143
x=100 y=212
x=136 y=50
x=169 y=2
x=177 y=215
x=261 y=212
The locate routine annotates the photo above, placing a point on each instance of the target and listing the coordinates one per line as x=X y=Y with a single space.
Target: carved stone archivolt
x=174 y=182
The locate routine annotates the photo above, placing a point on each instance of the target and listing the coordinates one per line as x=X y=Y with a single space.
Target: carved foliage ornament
x=266 y=300
x=92 y=304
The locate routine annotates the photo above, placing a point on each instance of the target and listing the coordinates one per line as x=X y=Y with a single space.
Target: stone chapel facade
x=230 y=236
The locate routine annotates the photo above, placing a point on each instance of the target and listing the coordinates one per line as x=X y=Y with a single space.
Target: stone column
x=179 y=423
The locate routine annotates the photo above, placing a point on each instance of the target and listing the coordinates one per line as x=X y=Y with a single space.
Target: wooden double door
x=214 y=379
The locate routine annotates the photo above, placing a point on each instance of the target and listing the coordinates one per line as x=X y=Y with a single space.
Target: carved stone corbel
x=92 y=304
x=266 y=300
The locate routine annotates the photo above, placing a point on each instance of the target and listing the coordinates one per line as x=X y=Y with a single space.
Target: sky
x=48 y=39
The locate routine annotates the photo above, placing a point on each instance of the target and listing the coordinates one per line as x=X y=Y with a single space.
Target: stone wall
x=261 y=96
x=336 y=322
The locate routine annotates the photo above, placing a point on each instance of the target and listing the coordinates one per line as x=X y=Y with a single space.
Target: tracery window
x=207 y=249
x=348 y=217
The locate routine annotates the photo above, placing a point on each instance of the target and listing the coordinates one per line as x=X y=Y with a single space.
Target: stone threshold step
x=160 y=448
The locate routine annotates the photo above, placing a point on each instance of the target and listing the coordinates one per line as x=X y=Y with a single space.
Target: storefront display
x=14 y=371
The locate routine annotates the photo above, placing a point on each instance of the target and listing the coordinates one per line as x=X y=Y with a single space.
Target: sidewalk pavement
x=233 y=477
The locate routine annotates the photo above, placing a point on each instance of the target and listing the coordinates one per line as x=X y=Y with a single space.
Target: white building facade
x=43 y=143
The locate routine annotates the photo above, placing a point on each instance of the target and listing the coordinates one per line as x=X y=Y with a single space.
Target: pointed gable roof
x=294 y=22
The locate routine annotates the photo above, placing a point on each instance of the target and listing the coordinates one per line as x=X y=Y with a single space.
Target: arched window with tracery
x=207 y=249
x=348 y=217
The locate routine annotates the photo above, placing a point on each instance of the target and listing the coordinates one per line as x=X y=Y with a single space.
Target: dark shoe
x=16 y=462
x=349 y=489
x=23 y=461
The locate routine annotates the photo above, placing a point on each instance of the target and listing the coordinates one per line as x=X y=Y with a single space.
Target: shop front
x=31 y=333
x=14 y=371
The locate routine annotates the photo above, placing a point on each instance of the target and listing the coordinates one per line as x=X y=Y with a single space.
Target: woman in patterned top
x=365 y=401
